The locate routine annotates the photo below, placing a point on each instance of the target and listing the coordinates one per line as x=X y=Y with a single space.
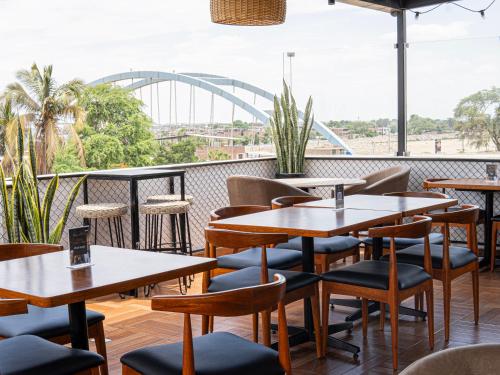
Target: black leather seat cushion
x=281 y=259
x=329 y=245
x=459 y=256
x=375 y=274
x=402 y=243
x=32 y=355
x=47 y=323
x=214 y=354
x=251 y=276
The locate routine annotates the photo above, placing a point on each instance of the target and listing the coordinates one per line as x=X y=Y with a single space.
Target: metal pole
x=402 y=83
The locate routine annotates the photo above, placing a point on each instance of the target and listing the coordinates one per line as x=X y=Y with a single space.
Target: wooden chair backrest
x=13 y=307
x=9 y=251
x=289 y=201
x=468 y=214
x=237 y=302
x=418 y=194
x=238 y=240
x=232 y=211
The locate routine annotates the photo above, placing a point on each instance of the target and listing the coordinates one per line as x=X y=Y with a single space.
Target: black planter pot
x=289 y=175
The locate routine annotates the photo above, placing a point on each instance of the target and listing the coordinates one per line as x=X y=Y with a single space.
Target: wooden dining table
x=486 y=187
x=309 y=223
x=47 y=281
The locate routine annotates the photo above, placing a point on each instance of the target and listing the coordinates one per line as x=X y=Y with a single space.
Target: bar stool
x=175 y=198
x=153 y=238
x=107 y=211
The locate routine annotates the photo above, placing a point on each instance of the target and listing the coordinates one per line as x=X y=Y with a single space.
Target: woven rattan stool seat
x=101 y=210
x=164 y=208
x=169 y=198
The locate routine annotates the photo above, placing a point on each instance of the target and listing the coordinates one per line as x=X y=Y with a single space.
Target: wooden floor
x=130 y=324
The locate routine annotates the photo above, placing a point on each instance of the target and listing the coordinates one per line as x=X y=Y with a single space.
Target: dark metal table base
x=298 y=335
x=373 y=307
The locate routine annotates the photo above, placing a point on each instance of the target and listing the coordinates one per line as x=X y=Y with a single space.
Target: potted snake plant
x=26 y=214
x=290 y=134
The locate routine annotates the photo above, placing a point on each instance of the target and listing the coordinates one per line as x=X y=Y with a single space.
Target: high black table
x=133 y=176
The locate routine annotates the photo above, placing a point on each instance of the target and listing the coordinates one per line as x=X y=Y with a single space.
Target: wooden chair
x=388 y=283
x=28 y=354
x=450 y=262
x=51 y=323
x=282 y=259
x=220 y=352
x=326 y=250
x=299 y=285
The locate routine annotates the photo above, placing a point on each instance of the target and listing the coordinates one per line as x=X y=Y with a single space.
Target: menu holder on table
x=491 y=172
x=79 y=248
x=338 y=191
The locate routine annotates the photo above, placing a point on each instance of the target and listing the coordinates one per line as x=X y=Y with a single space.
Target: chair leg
x=394 y=310
x=204 y=324
x=493 y=247
x=325 y=313
x=429 y=297
x=447 y=309
x=100 y=344
x=364 y=316
x=211 y=324
x=367 y=253
x=255 y=326
x=417 y=301
x=316 y=321
x=266 y=328
x=475 y=294
x=382 y=316
x=325 y=264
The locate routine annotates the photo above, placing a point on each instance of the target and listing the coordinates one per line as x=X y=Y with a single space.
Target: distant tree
x=477 y=118
x=45 y=104
x=177 y=153
x=115 y=112
x=218 y=155
x=241 y=124
x=66 y=160
x=103 y=151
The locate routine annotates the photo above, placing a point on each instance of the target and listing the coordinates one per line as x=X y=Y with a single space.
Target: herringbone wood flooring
x=131 y=324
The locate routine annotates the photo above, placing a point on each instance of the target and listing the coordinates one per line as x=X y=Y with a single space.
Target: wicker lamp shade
x=248 y=12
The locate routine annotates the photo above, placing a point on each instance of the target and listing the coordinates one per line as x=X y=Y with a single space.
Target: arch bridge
x=217 y=85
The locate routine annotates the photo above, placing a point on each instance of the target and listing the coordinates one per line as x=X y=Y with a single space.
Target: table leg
x=78 y=325
x=308 y=266
x=134 y=214
x=488 y=215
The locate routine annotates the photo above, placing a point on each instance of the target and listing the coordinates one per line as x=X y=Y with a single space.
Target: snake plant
x=290 y=135
x=26 y=214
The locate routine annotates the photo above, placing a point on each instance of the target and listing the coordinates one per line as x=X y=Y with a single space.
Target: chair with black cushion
x=279 y=258
x=326 y=250
x=49 y=323
x=386 y=282
x=402 y=243
x=450 y=262
x=219 y=352
x=299 y=285
x=32 y=355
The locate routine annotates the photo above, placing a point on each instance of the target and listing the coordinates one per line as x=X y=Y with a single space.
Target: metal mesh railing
x=207 y=183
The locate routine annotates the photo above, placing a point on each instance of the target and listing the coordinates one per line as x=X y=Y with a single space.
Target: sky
x=345 y=57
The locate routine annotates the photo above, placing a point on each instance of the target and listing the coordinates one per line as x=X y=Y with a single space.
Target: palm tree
x=45 y=105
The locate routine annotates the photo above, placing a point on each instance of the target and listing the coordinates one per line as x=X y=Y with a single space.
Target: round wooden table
x=314 y=182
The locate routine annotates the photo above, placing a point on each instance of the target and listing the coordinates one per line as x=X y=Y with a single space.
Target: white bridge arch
x=214 y=84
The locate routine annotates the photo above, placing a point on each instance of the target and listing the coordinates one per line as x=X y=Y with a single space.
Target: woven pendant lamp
x=248 y=12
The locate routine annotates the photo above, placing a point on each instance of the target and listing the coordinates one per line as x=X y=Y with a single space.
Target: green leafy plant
x=290 y=135
x=26 y=213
